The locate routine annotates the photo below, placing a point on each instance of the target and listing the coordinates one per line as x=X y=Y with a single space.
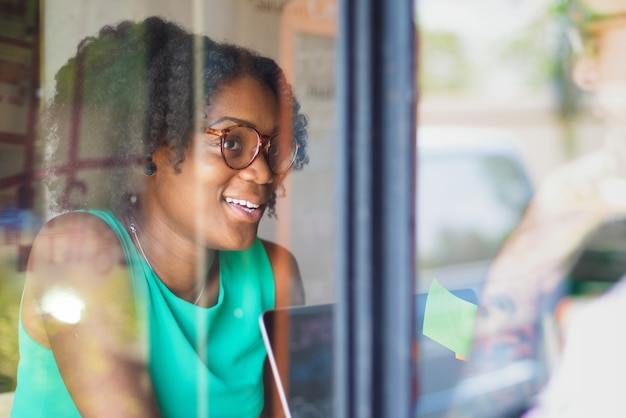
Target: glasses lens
x=281 y=154
x=240 y=146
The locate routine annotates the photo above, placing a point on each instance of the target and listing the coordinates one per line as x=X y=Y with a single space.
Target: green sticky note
x=449 y=320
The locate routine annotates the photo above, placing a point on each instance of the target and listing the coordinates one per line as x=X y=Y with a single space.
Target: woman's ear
x=585 y=73
x=162 y=157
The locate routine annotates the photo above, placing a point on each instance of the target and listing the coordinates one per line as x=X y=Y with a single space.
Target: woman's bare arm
x=287 y=278
x=289 y=292
x=78 y=302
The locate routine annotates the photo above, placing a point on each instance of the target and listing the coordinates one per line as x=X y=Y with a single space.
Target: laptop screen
x=299 y=342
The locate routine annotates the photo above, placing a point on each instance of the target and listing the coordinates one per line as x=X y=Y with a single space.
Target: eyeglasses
x=588 y=25
x=584 y=17
x=598 y=23
x=240 y=145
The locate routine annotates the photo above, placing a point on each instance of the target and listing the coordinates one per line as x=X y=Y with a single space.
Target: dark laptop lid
x=299 y=343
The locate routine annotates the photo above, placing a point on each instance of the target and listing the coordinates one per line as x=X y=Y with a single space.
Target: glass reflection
x=63 y=304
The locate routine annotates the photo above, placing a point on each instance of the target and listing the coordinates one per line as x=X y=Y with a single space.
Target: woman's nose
x=259 y=170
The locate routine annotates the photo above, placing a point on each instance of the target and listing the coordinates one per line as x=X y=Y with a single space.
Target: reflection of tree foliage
x=568 y=96
x=444 y=66
x=543 y=50
x=529 y=51
x=10 y=290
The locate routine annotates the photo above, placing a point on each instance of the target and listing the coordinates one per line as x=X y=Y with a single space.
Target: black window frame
x=375 y=372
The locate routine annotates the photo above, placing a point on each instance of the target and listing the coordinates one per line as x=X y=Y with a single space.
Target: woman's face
x=208 y=202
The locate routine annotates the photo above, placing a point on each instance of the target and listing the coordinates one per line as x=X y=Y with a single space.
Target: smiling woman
x=144 y=299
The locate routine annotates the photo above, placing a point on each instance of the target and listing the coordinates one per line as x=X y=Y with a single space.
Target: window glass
x=545 y=220
x=513 y=193
x=469 y=203
x=299 y=35
x=36 y=43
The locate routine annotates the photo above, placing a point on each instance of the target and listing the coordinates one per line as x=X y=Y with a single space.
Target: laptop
x=299 y=344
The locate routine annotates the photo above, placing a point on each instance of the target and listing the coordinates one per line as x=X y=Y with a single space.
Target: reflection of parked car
x=472 y=191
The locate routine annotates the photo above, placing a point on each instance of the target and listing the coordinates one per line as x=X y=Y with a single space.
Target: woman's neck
x=189 y=270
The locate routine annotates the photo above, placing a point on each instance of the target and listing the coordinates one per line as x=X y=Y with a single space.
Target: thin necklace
x=133 y=229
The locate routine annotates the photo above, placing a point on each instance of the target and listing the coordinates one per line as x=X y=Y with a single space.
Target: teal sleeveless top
x=204 y=362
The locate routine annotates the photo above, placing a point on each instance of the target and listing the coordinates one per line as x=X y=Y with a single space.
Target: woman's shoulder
x=287 y=277
x=73 y=257
x=276 y=249
x=85 y=221
x=72 y=240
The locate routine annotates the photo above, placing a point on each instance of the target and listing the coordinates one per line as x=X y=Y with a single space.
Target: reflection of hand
x=494 y=351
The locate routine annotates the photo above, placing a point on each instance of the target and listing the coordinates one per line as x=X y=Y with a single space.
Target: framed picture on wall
x=18 y=49
x=15 y=91
x=18 y=20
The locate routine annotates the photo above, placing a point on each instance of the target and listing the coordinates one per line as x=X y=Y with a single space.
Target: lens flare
x=64 y=305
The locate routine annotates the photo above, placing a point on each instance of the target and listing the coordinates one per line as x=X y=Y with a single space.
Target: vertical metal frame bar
x=376 y=93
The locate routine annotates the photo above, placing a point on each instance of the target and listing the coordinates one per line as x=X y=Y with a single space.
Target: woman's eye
x=273 y=150
x=233 y=143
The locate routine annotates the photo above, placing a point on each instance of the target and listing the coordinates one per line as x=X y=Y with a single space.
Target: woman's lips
x=243 y=206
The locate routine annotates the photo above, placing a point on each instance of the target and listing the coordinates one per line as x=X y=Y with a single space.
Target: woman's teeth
x=245 y=205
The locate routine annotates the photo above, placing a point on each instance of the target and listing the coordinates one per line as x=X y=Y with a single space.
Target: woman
x=150 y=306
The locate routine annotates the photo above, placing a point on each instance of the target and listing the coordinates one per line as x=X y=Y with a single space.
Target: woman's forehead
x=245 y=101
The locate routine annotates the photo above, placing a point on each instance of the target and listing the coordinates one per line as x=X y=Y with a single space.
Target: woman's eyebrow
x=232 y=119
x=238 y=122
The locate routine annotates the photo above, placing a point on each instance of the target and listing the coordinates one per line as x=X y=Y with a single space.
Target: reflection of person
x=570 y=204
x=591 y=369
x=148 y=305
x=589 y=378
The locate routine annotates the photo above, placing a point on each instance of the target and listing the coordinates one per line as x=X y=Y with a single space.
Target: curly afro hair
x=134 y=88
